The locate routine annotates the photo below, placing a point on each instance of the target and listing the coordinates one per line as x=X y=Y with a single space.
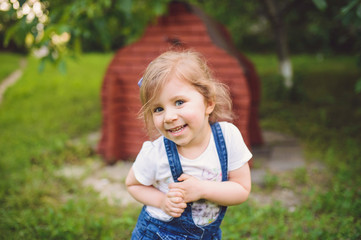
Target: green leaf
x=358 y=11
x=9 y=34
x=41 y=66
x=22 y=2
x=320 y=4
x=159 y=8
x=346 y=9
x=125 y=6
x=77 y=45
x=358 y=86
x=62 y=67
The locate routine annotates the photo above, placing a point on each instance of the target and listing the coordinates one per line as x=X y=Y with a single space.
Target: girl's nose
x=170 y=116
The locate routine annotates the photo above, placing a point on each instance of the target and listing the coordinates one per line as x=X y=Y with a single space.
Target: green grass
x=324 y=111
x=9 y=62
x=38 y=117
x=42 y=112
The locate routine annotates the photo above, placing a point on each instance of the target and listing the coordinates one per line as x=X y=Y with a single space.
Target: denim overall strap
x=183 y=228
x=221 y=149
x=173 y=159
x=186 y=220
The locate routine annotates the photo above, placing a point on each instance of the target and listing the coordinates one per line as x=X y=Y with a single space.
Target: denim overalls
x=149 y=228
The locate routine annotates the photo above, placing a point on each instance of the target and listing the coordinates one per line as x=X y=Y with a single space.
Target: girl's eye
x=158 y=109
x=179 y=102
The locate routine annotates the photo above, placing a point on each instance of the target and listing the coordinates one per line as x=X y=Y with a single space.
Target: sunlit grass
x=9 y=62
x=45 y=109
x=38 y=117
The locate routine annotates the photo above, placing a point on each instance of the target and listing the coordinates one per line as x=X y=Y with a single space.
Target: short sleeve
x=144 y=167
x=237 y=150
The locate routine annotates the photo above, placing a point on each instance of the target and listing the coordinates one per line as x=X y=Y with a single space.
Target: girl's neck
x=197 y=149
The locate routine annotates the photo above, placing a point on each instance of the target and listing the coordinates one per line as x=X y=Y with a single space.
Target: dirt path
x=280 y=156
x=12 y=78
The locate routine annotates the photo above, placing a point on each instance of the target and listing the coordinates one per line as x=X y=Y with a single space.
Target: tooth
x=176 y=129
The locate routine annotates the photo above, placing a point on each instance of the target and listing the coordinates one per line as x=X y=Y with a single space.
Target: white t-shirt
x=151 y=167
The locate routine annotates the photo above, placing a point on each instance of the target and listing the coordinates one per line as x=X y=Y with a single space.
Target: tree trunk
x=274 y=16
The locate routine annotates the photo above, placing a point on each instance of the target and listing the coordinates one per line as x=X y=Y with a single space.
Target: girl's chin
x=178 y=140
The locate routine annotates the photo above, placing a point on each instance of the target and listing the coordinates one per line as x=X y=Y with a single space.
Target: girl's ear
x=210 y=106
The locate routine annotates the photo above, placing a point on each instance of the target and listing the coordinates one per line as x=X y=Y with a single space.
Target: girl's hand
x=191 y=187
x=173 y=203
x=227 y=193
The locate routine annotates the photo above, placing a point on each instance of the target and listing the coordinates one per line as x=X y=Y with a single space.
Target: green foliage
x=308 y=29
x=104 y=25
x=350 y=16
x=321 y=4
x=73 y=26
x=351 y=13
x=248 y=28
x=300 y=176
x=270 y=181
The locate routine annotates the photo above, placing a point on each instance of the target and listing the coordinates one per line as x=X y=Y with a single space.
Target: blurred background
x=53 y=58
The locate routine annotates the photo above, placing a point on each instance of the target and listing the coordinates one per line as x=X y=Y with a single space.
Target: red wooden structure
x=187 y=27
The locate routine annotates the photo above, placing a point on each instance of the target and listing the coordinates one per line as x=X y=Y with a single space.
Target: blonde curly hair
x=186 y=65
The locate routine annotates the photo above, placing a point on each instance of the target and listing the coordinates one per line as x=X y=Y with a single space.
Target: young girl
x=197 y=167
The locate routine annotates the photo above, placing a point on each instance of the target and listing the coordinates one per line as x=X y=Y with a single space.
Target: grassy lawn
x=42 y=112
x=325 y=113
x=38 y=117
x=8 y=62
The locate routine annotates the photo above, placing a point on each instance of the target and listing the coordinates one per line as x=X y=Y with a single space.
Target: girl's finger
x=175 y=193
x=176 y=212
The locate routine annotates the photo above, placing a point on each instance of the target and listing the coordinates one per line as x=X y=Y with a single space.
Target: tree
x=65 y=27
x=350 y=16
x=285 y=26
x=275 y=14
x=247 y=17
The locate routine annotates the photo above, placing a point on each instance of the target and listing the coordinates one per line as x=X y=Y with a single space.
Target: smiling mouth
x=177 y=129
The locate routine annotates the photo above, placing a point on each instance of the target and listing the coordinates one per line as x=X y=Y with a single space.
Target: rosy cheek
x=157 y=122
